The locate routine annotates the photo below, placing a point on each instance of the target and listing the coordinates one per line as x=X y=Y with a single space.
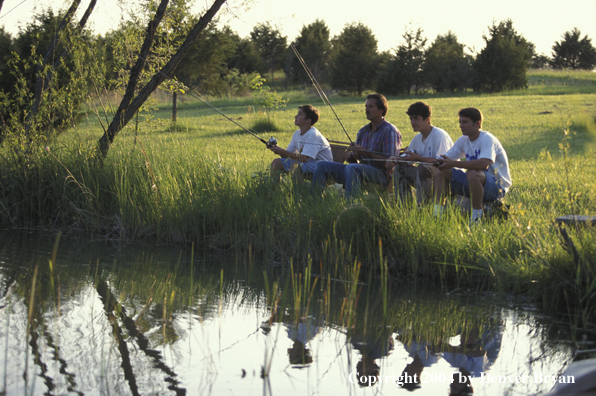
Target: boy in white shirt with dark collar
x=484 y=175
x=427 y=146
x=307 y=147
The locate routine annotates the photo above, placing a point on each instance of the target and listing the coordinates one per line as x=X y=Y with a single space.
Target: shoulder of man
x=485 y=135
x=390 y=126
x=439 y=131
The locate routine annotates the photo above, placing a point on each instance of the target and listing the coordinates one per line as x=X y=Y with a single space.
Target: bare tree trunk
x=174 y=107
x=129 y=107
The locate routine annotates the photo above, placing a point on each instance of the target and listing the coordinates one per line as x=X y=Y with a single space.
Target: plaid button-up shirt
x=385 y=140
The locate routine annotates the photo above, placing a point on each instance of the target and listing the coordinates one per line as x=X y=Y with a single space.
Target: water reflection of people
x=371 y=347
x=423 y=355
x=300 y=331
x=470 y=352
x=475 y=353
x=461 y=383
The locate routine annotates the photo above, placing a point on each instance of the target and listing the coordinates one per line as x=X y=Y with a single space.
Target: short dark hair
x=381 y=102
x=419 y=109
x=311 y=113
x=472 y=113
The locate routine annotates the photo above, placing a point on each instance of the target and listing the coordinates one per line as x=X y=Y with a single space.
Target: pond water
x=97 y=320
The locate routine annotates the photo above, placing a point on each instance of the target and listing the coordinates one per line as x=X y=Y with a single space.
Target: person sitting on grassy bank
x=367 y=158
x=428 y=145
x=484 y=175
x=307 y=146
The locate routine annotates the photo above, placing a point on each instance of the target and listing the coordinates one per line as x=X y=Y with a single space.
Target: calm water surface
x=148 y=321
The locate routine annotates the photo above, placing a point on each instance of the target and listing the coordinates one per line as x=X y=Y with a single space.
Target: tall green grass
x=206 y=182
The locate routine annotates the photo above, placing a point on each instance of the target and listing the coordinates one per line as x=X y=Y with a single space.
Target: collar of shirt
x=378 y=126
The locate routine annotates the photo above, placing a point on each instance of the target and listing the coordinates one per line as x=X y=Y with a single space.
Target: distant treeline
x=222 y=63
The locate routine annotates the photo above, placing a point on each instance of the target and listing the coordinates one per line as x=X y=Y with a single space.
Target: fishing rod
x=407 y=162
x=269 y=143
x=319 y=89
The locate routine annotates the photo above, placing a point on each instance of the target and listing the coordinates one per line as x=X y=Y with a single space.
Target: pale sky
x=541 y=22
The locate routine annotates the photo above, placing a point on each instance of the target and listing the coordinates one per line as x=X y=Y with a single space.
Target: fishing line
x=272 y=142
x=319 y=89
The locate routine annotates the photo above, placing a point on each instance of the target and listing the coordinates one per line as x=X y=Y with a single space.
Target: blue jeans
x=307 y=167
x=492 y=186
x=350 y=175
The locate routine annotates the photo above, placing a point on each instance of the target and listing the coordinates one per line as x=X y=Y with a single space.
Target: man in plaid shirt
x=366 y=159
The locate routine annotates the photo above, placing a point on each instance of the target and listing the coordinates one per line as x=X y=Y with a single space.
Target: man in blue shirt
x=367 y=158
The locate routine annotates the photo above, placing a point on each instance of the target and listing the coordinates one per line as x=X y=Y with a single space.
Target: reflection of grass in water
x=350 y=301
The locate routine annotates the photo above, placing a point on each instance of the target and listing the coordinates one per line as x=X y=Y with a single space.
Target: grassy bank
x=206 y=182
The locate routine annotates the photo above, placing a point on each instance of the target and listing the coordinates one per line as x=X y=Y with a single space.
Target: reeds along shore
x=207 y=183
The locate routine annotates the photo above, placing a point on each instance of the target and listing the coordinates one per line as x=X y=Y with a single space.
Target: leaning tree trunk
x=128 y=106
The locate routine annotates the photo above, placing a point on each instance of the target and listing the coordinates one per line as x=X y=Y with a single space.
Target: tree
x=48 y=77
x=270 y=46
x=446 y=66
x=539 y=61
x=504 y=61
x=404 y=69
x=574 y=52
x=355 y=59
x=5 y=54
x=53 y=58
x=130 y=103
x=245 y=58
x=205 y=65
x=314 y=45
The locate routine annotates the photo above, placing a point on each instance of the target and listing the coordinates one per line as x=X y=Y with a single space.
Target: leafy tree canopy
x=503 y=62
x=404 y=70
x=355 y=64
x=270 y=46
x=314 y=45
x=446 y=66
x=574 y=52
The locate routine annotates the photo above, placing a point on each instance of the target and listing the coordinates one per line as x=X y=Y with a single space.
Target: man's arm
x=448 y=163
x=361 y=152
x=283 y=153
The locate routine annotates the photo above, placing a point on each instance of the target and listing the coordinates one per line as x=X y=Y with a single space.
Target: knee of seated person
x=352 y=169
x=277 y=165
x=475 y=175
x=442 y=173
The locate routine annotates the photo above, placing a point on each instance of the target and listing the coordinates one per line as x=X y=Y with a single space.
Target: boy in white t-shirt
x=484 y=175
x=428 y=145
x=307 y=146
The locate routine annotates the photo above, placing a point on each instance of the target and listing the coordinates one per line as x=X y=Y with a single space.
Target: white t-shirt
x=312 y=144
x=485 y=146
x=435 y=144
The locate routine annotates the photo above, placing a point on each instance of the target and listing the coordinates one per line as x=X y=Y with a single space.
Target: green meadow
x=205 y=181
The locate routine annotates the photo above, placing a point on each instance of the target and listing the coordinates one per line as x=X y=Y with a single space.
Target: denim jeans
x=492 y=186
x=350 y=175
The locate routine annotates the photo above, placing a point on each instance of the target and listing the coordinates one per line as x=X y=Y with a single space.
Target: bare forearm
x=416 y=157
x=479 y=164
x=283 y=153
